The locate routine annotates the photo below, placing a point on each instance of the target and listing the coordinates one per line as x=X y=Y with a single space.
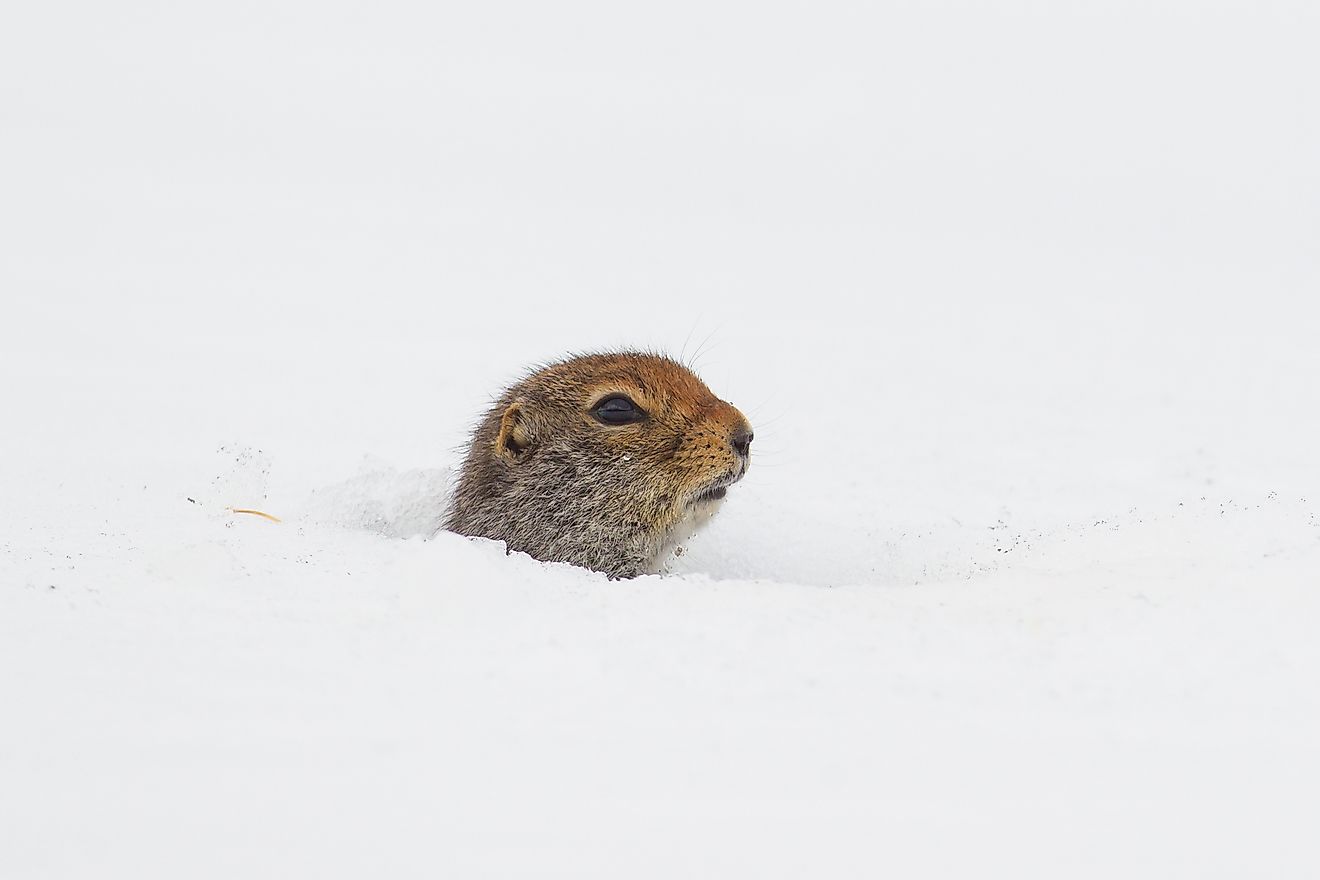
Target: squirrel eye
x=618 y=410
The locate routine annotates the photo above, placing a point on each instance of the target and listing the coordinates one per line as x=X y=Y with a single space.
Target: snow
x=1020 y=298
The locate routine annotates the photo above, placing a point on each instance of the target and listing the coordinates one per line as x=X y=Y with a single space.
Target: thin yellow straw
x=259 y=513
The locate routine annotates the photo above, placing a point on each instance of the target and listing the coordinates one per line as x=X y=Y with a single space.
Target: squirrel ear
x=515 y=436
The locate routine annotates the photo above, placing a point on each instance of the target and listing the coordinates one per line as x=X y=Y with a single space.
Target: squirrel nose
x=742 y=441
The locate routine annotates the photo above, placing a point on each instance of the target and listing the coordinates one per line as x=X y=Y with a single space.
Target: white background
x=1021 y=299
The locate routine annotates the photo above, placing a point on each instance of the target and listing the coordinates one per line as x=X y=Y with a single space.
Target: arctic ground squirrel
x=607 y=461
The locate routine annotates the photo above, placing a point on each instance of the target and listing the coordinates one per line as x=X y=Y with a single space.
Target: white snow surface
x=1021 y=299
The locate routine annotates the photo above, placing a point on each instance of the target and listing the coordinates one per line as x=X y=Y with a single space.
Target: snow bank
x=1020 y=301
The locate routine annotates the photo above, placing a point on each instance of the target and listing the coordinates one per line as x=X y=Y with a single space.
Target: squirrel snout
x=742 y=441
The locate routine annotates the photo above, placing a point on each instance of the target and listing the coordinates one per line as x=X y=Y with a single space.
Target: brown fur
x=547 y=477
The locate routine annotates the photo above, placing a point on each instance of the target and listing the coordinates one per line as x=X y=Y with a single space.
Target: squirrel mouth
x=716 y=490
x=714 y=493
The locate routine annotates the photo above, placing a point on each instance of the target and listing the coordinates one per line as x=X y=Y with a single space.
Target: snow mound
x=381 y=499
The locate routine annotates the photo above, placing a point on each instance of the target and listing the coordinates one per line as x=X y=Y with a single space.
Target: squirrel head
x=598 y=460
